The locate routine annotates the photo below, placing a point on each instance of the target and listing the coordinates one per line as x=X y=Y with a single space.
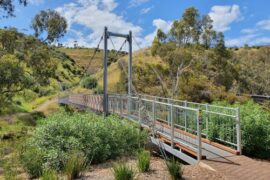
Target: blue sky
x=242 y=21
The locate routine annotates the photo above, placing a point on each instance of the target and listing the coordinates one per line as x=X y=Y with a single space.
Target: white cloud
x=146 y=10
x=264 y=24
x=95 y=15
x=135 y=3
x=240 y=41
x=36 y=2
x=249 y=31
x=223 y=16
x=261 y=40
x=159 y=24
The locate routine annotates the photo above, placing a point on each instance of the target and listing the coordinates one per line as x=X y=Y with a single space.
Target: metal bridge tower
x=128 y=37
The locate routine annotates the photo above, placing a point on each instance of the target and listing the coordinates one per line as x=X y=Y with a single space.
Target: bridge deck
x=182 y=144
x=240 y=168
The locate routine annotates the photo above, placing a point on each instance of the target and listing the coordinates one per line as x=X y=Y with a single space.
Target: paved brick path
x=240 y=167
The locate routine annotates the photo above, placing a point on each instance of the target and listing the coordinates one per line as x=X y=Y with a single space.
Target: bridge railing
x=219 y=123
x=93 y=102
x=165 y=118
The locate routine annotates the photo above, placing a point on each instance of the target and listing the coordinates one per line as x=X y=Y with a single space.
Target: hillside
x=248 y=69
x=82 y=57
x=37 y=72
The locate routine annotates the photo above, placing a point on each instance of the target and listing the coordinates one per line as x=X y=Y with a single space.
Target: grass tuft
x=143 y=162
x=175 y=169
x=123 y=172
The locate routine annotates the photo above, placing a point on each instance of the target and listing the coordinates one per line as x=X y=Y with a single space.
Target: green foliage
x=31 y=118
x=7 y=7
x=52 y=22
x=97 y=138
x=98 y=90
x=75 y=164
x=122 y=171
x=155 y=45
x=143 y=158
x=32 y=159
x=12 y=76
x=89 y=82
x=21 y=59
x=175 y=169
x=40 y=57
x=49 y=175
x=254 y=126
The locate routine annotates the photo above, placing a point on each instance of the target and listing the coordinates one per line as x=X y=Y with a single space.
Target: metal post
x=169 y=102
x=121 y=105
x=238 y=130
x=206 y=119
x=105 y=96
x=129 y=71
x=172 y=125
x=154 y=113
x=199 y=135
x=185 y=103
x=139 y=113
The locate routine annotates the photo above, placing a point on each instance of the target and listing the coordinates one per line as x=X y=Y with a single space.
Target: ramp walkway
x=190 y=131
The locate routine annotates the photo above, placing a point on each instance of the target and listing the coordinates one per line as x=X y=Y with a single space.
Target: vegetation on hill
x=30 y=70
x=83 y=57
x=191 y=62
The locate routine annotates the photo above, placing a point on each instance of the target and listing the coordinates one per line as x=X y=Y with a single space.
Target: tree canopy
x=8 y=7
x=51 y=23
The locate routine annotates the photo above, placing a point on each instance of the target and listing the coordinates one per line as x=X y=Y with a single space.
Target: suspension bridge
x=188 y=130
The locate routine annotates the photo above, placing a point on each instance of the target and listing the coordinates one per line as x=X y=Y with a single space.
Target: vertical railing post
x=206 y=119
x=121 y=105
x=139 y=108
x=185 y=104
x=172 y=125
x=154 y=113
x=238 y=130
x=105 y=96
x=199 y=135
x=169 y=103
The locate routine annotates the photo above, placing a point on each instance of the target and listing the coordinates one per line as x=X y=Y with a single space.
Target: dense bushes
x=89 y=83
x=97 y=138
x=255 y=127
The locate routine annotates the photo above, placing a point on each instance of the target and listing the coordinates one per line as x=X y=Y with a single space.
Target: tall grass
x=75 y=165
x=143 y=161
x=123 y=172
x=49 y=175
x=175 y=169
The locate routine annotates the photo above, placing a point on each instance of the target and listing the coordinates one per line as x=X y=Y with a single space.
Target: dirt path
x=158 y=171
x=41 y=108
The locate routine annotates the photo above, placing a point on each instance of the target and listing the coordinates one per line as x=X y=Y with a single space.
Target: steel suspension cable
x=93 y=56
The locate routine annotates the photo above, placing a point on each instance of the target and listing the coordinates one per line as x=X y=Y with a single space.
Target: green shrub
x=143 y=163
x=98 y=90
x=32 y=160
x=123 y=172
x=255 y=126
x=49 y=175
x=175 y=169
x=97 y=138
x=255 y=129
x=75 y=164
x=31 y=118
x=89 y=82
